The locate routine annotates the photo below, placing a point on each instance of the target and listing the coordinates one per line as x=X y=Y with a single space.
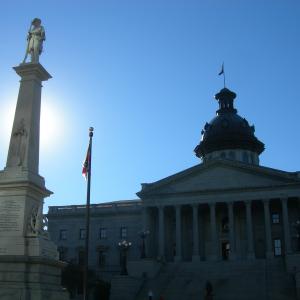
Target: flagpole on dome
x=86 y=172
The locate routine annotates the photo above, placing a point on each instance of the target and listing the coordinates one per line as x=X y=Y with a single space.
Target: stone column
x=178 y=256
x=250 y=249
x=286 y=225
x=161 y=232
x=213 y=232
x=195 y=256
x=146 y=226
x=269 y=252
x=232 y=253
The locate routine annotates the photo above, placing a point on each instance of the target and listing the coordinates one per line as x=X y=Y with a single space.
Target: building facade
x=227 y=213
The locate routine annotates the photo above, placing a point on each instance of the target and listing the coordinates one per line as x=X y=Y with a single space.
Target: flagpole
x=87 y=218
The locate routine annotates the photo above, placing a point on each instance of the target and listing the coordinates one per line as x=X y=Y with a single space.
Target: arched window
x=232 y=155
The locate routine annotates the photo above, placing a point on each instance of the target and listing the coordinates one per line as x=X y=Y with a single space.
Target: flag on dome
x=86 y=163
x=222 y=70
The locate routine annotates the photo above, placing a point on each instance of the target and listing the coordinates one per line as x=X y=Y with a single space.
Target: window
x=62 y=251
x=123 y=232
x=81 y=257
x=232 y=155
x=101 y=258
x=102 y=233
x=225 y=226
x=82 y=234
x=245 y=157
x=275 y=218
x=63 y=234
x=277 y=247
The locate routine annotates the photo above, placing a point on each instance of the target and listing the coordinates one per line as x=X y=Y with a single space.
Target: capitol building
x=227 y=220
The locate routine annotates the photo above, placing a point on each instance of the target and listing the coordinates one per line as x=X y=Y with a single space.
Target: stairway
x=240 y=280
x=124 y=287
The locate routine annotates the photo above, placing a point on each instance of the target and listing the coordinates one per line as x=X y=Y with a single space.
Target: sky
x=144 y=74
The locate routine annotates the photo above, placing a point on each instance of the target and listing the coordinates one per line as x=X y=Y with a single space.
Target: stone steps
x=241 y=280
x=124 y=287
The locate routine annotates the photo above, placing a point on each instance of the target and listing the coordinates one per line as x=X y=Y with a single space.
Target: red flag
x=86 y=163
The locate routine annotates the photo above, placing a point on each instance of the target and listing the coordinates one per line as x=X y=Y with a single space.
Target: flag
x=86 y=163
x=222 y=70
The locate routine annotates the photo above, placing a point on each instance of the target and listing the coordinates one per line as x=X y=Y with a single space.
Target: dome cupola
x=228 y=135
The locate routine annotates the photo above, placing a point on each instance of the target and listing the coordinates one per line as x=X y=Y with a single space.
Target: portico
x=214 y=225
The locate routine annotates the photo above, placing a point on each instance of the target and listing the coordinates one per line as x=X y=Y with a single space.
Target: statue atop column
x=35 y=39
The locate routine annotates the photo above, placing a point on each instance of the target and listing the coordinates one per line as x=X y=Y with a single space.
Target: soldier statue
x=35 y=39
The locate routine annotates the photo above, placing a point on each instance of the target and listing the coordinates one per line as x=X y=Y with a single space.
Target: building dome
x=228 y=131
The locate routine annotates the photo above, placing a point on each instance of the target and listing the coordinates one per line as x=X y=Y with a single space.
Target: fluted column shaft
x=161 y=232
x=195 y=233
x=213 y=231
x=268 y=231
x=286 y=225
x=178 y=256
x=231 y=230
x=250 y=249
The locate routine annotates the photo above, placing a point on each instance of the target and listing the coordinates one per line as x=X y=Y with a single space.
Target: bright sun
x=53 y=124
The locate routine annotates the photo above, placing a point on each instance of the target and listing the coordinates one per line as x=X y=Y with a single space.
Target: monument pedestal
x=30 y=278
x=29 y=265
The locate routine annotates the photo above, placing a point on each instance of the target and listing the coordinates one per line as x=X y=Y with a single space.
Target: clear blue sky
x=144 y=73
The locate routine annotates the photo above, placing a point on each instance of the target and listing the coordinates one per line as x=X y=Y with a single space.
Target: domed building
x=227 y=223
x=228 y=135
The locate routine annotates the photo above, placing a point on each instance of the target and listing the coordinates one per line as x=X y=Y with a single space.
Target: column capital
x=195 y=205
x=212 y=204
x=248 y=202
x=284 y=200
x=266 y=201
x=230 y=203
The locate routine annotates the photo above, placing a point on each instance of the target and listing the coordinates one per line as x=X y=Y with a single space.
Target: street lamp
x=124 y=246
x=143 y=234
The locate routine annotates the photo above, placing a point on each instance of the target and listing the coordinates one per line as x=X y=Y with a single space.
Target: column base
x=195 y=258
x=213 y=257
x=177 y=258
x=232 y=256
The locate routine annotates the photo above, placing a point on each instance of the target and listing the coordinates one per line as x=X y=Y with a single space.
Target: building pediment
x=219 y=175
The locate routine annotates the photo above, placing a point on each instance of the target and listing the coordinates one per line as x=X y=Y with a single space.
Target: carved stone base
x=34 y=278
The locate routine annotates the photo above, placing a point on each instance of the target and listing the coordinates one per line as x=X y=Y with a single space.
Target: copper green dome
x=227 y=130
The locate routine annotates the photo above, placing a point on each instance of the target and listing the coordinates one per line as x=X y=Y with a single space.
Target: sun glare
x=53 y=123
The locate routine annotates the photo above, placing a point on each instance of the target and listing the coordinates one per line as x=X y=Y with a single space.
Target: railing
x=121 y=206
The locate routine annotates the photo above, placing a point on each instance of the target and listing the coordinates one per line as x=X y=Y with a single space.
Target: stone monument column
x=29 y=265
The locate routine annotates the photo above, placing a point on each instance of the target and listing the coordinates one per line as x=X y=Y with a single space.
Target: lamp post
x=143 y=234
x=124 y=246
